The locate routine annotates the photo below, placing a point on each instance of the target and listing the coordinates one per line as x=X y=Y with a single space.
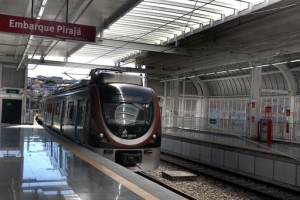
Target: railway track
x=145 y=175
x=261 y=188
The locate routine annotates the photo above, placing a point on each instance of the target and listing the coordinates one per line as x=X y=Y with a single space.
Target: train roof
x=107 y=78
x=100 y=76
x=103 y=76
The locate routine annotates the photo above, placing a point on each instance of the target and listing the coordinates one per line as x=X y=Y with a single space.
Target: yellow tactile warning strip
x=134 y=188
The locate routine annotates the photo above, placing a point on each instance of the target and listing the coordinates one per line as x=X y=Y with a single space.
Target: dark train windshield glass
x=127 y=98
x=128 y=114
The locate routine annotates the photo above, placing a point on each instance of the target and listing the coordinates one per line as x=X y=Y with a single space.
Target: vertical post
x=254 y=101
x=1 y=98
x=176 y=102
x=32 y=2
x=67 y=12
x=164 y=117
x=183 y=98
x=291 y=118
x=29 y=107
x=24 y=99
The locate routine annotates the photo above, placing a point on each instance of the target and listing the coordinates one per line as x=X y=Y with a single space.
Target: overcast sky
x=57 y=71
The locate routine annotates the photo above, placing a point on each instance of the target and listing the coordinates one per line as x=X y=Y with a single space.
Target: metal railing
x=280 y=130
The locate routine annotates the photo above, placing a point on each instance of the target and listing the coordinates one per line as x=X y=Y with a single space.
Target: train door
x=52 y=114
x=11 y=111
x=56 y=116
x=86 y=119
x=62 y=119
x=79 y=121
x=45 y=113
x=49 y=114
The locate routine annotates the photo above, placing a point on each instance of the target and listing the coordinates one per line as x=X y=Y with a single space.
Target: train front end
x=129 y=125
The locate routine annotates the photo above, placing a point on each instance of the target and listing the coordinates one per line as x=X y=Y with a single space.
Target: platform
x=273 y=162
x=276 y=147
x=36 y=164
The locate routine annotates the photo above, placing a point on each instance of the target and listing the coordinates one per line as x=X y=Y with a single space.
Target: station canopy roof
x=158 y=37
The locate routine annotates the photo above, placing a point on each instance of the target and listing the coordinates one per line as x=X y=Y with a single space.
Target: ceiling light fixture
x=262 y=65
x=295 y=60
x=279 y=63
x=247 y=68
x=233 y=70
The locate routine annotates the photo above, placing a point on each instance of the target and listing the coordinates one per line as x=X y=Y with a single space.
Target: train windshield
x=128 y=114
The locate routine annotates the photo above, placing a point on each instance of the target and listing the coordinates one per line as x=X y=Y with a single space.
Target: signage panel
x=212 y=121
x=60 y=30
x=12 y=91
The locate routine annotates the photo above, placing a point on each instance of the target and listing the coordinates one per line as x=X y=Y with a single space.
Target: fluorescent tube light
x=247 y=68
x=295 y=60
x=263 y=65
x=279 y=63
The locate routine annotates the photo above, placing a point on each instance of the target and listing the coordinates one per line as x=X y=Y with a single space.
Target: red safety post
x=288 y=112
x=287 y=126
x=268 y=115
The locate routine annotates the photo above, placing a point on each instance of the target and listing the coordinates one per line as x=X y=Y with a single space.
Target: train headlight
x=154 y=136
x=101 y=135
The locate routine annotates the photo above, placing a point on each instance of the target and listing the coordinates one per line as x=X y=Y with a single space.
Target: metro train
x=111 y=114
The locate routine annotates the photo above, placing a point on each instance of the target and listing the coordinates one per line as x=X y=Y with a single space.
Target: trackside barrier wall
x=259 y=164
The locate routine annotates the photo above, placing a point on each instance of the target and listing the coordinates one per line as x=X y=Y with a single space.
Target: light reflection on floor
x=34 y=166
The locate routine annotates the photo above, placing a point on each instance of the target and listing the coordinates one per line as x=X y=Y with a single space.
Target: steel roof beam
x=183 y=5
x=121 y=12
x=93 y=66
x=150 y=10
x=221 y=4
x=169 y=49
x=163 y=21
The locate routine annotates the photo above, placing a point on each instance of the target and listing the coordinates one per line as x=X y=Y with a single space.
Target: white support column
x=164 y=101
x=291 y=117
x=291 y=82
x=1 y=99
x=204 y=107
x=23 y=118
x=175 y=90
x=183 y=98
x=254 y=102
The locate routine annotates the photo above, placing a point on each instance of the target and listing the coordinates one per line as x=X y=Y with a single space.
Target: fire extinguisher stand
x=265 y=126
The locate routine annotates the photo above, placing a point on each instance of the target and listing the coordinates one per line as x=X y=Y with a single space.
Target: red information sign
x=60 y=30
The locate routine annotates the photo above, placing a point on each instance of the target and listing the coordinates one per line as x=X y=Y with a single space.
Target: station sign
x=45 y=28
x=12 y=91
x=212 y=121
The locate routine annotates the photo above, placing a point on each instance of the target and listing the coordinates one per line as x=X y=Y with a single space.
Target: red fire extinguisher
x=287 y=128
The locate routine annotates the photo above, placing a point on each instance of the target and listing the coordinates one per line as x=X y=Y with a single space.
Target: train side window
x=57 y=110
x=50 y=108
x=70 y=110
x=87 y=108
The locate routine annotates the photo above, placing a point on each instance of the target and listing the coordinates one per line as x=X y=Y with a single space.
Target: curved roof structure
x=217 y=41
